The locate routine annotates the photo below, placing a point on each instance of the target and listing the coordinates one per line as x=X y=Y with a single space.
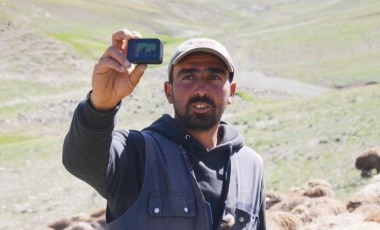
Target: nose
x=201 y=89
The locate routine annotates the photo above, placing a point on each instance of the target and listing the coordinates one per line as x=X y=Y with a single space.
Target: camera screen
x=145 y=50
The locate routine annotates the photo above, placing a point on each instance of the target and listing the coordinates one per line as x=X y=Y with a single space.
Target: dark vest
x=170 y=197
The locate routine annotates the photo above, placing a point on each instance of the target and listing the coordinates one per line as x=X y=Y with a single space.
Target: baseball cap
x=201 y=45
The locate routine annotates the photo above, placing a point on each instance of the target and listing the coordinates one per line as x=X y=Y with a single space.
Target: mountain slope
x=290 y=57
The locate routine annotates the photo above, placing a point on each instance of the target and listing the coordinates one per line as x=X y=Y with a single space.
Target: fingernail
x=127 y=64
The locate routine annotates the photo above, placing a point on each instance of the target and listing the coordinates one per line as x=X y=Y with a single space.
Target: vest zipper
x=197 y=190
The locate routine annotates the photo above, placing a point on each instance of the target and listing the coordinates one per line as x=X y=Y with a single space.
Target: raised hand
x=114 y=77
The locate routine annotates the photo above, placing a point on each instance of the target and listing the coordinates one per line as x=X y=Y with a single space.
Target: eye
x=188 y=77
x=214 y=77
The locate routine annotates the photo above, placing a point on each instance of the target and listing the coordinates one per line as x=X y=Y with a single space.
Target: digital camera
x=145 y=50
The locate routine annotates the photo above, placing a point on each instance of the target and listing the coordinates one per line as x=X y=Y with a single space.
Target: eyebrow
x=194 y=70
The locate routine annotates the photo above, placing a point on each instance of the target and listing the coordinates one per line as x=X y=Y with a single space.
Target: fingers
x=114 y=56
x=111 y=61
x=124 y=47
x=115 y=59
x=136 y=34
x=121 y=37
x=136 y=74
x=107 y=64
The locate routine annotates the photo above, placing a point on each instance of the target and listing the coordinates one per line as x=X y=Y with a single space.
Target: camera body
x=145 y=50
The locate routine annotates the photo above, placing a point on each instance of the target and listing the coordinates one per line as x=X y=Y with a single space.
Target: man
x=192 y=171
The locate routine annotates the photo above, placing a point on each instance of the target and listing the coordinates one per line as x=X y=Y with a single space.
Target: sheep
x=318 y=191
x=373 y=216
x=100 y=217
x=95 y=221
x=345 y=221
x=318 y=182
x=81 y=226
x=272 y=198
x=303 y=212
x=367 y=208
x=289 y=203
x=60 y=224
x=368 y=160
x=314 y=188
x=370 y=194
x=318 y=207
x=330 y=206
x=369 y=212
x=81 y=217
x=280 y=220
x=228 y=222
x=100 y=213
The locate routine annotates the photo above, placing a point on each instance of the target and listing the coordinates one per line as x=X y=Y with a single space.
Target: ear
x=232 y=92
x=168 y=91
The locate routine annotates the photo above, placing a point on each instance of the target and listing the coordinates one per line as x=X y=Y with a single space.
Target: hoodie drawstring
x=226 y=222
x=190 y=155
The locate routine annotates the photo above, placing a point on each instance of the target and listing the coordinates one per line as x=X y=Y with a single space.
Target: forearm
x=86 y=149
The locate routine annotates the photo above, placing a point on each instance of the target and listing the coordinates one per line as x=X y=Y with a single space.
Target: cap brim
x=229 y=65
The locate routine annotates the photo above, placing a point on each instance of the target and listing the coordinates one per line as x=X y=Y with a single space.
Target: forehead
x=201 y=59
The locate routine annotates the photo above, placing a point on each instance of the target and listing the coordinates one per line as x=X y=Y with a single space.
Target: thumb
x=137 y=73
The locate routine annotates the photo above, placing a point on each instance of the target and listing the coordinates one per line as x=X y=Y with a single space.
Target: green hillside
x=307 y=97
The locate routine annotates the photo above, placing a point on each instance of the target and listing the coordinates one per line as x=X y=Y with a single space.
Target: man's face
x=200 y=91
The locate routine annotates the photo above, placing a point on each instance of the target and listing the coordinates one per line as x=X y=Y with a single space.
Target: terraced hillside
x=307 y=100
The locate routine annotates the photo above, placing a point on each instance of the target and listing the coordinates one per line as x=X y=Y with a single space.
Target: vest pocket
x=245 y=220
x=171 y=204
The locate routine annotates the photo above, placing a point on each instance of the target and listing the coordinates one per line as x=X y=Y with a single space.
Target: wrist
x=99 y=104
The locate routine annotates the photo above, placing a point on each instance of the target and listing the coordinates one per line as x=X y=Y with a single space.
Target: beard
x=198 y=121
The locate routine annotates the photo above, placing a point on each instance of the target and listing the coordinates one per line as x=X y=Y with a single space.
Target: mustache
x=203 y=99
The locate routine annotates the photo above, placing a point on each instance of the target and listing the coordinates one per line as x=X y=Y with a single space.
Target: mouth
x=200 y=107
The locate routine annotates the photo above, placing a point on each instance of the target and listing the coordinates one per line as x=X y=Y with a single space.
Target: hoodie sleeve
x=86 y=149
x=111 y=161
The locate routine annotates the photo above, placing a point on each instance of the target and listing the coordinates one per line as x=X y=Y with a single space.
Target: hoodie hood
x=171 y=129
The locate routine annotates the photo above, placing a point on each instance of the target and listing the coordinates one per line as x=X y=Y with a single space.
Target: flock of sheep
x=95 y=221
x=309 y=207
x=314 y=207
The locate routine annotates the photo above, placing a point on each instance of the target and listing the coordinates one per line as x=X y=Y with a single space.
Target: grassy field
x=49 y=48
x=313 y=137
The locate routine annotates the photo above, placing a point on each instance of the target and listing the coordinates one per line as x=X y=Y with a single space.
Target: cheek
x=177 y=97
x=226 y=93
x=180 y=91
